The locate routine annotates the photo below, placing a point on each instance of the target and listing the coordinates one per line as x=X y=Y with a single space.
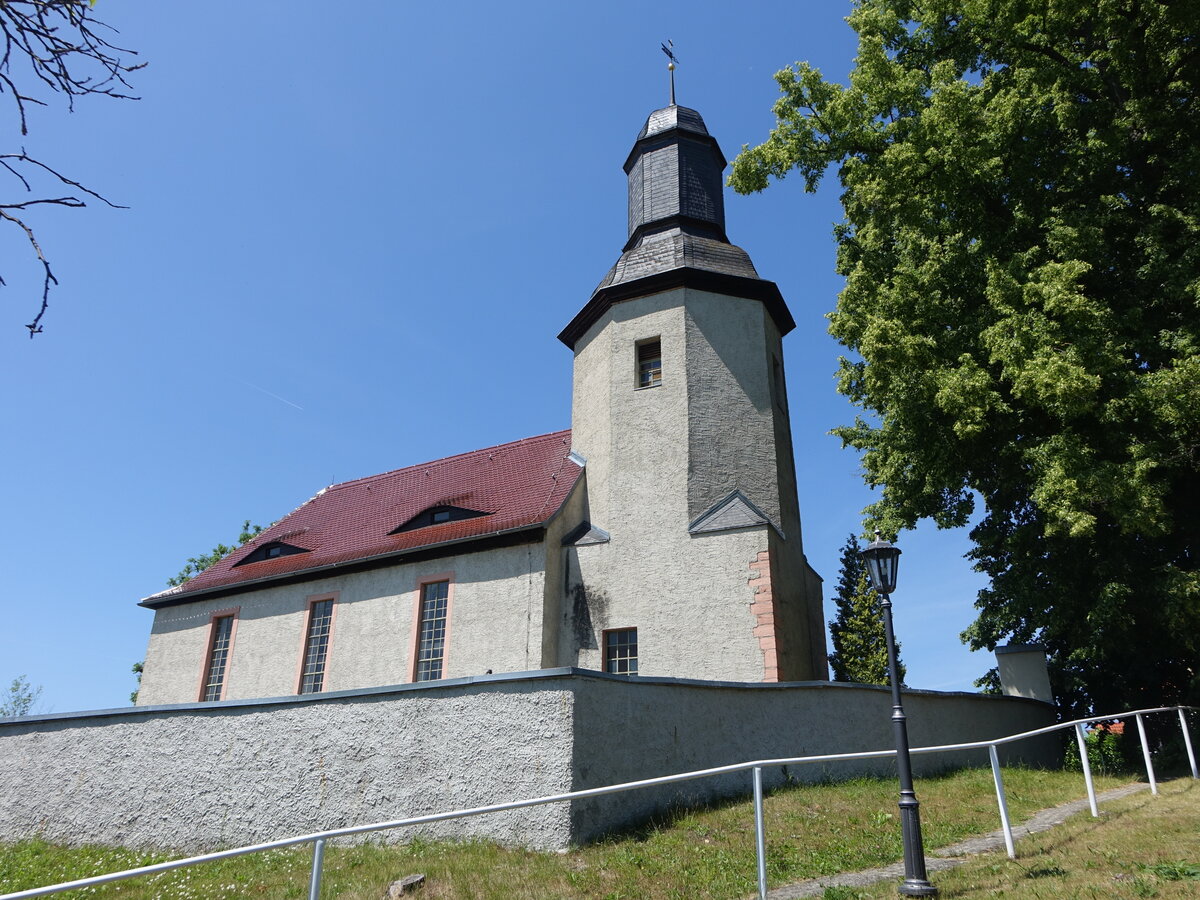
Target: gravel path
x=952 y=856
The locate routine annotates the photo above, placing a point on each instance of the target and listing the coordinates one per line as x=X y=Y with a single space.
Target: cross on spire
x=669 y=49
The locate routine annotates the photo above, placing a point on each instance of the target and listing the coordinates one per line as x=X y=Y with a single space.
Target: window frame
x=206 y=662
x=415 y=660
x=310 y=603
x=607 y=659
x=638 y=348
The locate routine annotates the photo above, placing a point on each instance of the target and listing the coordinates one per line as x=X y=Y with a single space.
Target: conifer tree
x=859 y=645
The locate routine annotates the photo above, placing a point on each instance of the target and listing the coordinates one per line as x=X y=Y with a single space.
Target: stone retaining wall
x=199 y=776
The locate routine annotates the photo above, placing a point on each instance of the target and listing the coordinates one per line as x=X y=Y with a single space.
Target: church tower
x=690 y=562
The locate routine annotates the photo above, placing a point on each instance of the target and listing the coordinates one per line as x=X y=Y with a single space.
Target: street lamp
x=882 y=561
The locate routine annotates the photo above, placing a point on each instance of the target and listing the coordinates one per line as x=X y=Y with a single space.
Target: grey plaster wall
x=495 y=623
x=668 y=727
x=215 y=775
x=730 y=428
x=556 y=606
x=200 y=776
x=657 y=458
x=688 y=596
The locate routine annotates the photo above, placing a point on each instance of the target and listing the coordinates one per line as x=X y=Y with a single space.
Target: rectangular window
x=316 y=646
x=649 y=363
x=620 y=651
x=431 y=631
x=218 y=658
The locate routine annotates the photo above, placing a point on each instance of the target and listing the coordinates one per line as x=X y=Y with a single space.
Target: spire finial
x=669 y=49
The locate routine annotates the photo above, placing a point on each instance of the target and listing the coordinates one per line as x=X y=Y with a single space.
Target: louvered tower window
x=649 y=363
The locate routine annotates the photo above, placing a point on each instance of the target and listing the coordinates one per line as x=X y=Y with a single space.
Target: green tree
x=859 y=642
x=197 y=564
x=1021 y=248
x=137 y=669
x=20 y=699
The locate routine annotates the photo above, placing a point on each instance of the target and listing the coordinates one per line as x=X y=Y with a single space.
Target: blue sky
x=351 y=240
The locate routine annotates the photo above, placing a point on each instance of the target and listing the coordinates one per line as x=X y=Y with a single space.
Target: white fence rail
x=755 y=767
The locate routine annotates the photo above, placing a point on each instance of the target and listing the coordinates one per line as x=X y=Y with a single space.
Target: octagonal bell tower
x=693 y=547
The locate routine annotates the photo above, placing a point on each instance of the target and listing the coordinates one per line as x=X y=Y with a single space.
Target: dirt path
x=952 y=856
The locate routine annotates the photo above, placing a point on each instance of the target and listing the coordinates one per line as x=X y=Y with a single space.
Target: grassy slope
x=1142 y=846
x=811 y=831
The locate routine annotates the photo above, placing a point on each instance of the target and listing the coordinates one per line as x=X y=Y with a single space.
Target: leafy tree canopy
x=857 y=632
x=197 y=564
x=1021 y=248
x=20 y=698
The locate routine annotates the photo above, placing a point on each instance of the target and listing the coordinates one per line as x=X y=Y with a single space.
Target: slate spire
x=677 y=225
x=674 y=172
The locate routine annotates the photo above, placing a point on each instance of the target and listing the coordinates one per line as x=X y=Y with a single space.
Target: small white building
x=659 y=536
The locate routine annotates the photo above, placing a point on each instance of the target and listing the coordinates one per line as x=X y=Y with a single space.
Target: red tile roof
x=519 y=485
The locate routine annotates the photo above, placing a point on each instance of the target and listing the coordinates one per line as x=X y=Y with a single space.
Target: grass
x=1141 y=846
x=812 y=830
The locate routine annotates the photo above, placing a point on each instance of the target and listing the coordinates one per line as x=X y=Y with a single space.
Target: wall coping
x=1020 y=648
x=571 y=673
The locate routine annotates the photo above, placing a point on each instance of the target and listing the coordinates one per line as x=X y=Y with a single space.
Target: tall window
x=649 y=363
x=316 y=646
x=218 y=658
x=620 y=651
x=431 y=631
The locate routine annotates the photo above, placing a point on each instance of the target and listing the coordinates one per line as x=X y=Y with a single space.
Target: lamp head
x=883 y=558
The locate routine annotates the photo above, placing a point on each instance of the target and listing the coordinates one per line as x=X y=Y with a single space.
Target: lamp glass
x=883 y=560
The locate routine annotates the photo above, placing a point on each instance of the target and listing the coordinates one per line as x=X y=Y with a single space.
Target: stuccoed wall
x=200 y=776
x=658 y=457
x=220 y=775
x=730 y=432
x=495 y=623
x=660 y=727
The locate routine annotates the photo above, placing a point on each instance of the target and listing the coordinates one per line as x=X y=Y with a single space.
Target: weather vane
x=669 y=49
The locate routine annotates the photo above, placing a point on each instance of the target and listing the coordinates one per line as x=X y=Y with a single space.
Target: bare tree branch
x=53 y=47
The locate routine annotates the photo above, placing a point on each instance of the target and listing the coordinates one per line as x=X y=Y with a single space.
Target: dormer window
x=270 y=550
x=438 y=515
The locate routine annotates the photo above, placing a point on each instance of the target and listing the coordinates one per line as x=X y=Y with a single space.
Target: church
x=659 y=536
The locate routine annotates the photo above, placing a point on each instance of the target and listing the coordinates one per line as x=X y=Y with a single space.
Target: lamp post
x=882 y=561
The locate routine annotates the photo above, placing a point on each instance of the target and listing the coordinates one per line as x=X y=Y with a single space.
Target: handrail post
x=1146 y=754
x=1087 y=770
x=314 y=884
x=1002 y=802
x=760 y=840
x=1187 y=740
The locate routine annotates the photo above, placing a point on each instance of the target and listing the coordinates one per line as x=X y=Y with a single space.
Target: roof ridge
x=445 y=460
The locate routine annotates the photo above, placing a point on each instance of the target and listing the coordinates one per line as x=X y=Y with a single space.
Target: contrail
x=269 y=394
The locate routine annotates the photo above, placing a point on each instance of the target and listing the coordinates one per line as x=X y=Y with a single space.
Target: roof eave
x=718 y=283
x=156 y=601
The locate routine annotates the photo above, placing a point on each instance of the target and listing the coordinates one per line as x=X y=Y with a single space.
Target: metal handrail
x=319 y=838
